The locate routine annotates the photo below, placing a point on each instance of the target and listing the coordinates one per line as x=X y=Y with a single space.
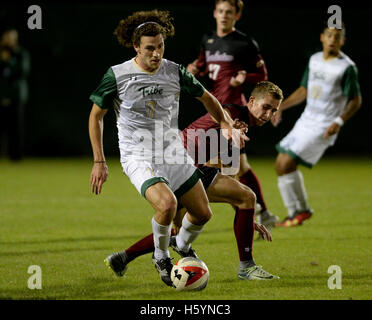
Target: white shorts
x=179 y=177
x=305 y=143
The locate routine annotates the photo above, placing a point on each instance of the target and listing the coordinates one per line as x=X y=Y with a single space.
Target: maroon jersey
x=222 y=58
x=191 y=137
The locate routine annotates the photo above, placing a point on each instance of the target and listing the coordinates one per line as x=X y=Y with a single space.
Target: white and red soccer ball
x=190 y=274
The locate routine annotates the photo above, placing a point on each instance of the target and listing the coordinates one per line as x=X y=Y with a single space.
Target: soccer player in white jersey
x=331 y=89
x=145 y=93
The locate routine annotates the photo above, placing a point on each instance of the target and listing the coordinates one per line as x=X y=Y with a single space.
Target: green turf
x=48 y=217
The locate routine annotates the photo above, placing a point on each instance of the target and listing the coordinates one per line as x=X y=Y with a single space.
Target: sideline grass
x=49 y=218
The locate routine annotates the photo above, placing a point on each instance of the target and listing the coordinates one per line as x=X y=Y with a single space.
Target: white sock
x=287 y=190
x=301 y=204
x=292 y=189
x=188 y=233
x=161 y=239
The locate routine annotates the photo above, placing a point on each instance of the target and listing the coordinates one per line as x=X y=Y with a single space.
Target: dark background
x=76 y=46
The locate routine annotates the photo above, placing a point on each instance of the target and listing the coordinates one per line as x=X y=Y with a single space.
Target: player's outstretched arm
x=99 y=171
x=223 y=118
x=352 y=107
x=297 y=97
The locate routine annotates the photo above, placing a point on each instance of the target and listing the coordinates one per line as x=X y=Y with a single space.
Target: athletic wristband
x=339 y=121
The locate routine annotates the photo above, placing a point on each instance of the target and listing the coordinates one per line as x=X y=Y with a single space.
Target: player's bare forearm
x=99 y=171
x=215 y=109
x=297 y=97
x=352 y=107
x=96 y=132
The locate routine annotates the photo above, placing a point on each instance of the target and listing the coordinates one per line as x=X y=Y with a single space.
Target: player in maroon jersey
x=262 y=105
x=230 y=58
x=232 y=61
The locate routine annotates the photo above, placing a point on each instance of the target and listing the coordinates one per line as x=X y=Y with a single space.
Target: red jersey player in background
x=232 y=61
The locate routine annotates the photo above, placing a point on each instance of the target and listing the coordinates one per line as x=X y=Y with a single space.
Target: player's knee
x=278 y=167
x=247 y=199
x=205 y=215
x=284 y=164
x=168 y=208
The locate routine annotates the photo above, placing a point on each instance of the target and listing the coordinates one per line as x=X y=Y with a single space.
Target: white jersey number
x=316 y=92
x=213 y=71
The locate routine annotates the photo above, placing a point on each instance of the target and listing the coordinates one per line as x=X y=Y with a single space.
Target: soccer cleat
x=297 y=220
x=118 y=263
x=301 y=216
x=255 y=273
x=183 y=254
x=164 y=268
x=286 y=222
x=269 y=220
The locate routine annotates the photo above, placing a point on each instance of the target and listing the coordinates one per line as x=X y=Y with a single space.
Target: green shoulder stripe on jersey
x=106 y=91
x=186 y=186
x=294 y=156
x=148 y=183
x=189 y=83
x=349 y=82
x=305 y=76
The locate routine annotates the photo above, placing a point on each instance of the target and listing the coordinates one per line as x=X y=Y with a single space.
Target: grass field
x=48 y=217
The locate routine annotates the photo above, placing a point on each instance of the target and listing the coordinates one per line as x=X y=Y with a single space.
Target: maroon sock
x=244 y=232
x=251 y=180
x=141 y=247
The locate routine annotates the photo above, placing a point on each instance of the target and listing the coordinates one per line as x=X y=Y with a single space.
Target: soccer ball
x=190 y=274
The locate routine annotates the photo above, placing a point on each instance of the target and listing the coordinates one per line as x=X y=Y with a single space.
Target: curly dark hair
x=130 y=30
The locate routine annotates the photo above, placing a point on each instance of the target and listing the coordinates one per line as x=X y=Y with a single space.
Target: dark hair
x=238 y=4
x=130 y=30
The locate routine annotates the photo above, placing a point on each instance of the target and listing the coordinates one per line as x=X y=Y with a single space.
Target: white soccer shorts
x=305 y=143
x=179 y=177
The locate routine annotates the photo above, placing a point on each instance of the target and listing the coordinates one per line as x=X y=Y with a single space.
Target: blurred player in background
x=263 y=103
x=232 y=62
x=331 y=89
x=144 y=91
x=14 y=71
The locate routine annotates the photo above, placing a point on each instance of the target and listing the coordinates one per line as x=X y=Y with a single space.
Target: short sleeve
x=305 y=77
x=106 y=91
x=189 y=83
x=349 y=83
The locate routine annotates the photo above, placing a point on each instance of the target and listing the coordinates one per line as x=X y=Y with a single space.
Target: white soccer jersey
x=330 y=85
x=146 y=106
